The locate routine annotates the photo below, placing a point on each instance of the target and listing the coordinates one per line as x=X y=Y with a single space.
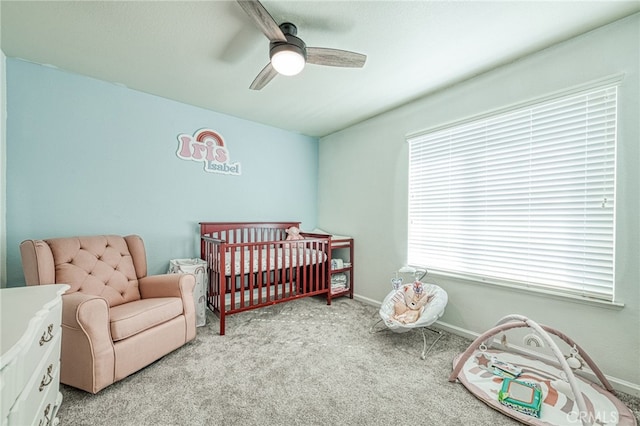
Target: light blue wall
x=89 y=157
x=3 y=167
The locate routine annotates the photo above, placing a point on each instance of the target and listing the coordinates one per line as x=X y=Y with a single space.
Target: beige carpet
x=297 y=363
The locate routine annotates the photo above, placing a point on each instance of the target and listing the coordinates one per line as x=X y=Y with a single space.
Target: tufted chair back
x=108 y=266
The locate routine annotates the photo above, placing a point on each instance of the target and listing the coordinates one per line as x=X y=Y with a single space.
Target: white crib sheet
x=251 y=261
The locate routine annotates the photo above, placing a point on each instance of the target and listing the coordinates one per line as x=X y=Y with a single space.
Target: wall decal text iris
x=207 y=146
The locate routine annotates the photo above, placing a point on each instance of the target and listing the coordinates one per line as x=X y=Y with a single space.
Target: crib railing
x=249 y=275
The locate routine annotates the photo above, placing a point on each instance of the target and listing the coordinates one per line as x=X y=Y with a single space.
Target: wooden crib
x=251 y=265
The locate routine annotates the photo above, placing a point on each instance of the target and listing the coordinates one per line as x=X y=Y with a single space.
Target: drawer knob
x=47 y=335
x=47 y=378
x=46 y=417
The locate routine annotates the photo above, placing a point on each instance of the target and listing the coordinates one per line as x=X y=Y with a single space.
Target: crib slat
x=246 y=248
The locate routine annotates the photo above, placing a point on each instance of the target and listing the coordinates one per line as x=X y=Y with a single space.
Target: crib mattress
x=558 y=407
x=252 y=261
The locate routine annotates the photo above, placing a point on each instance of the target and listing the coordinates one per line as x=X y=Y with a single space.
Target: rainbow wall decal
x=208 y=147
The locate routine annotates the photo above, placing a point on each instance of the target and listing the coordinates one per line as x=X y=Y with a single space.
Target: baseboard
x=367 y=300
x=618 y=384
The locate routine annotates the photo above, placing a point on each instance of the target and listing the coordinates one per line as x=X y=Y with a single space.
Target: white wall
x=363 y=187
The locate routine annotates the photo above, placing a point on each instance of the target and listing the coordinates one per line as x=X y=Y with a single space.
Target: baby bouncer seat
x=411 y=306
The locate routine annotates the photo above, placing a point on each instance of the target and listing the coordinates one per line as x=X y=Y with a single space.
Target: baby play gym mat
x=539 y=390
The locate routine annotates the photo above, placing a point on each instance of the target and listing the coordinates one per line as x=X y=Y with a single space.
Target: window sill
x=532 y=291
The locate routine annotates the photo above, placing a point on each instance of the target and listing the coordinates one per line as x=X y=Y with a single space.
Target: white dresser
x=30 y=354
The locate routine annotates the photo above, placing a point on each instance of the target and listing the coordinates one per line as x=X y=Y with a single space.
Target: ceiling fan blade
x=262 y=19
x=265 y=76
x=335 y=57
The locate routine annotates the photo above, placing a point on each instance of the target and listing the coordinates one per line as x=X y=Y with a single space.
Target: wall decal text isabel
x=208 y=147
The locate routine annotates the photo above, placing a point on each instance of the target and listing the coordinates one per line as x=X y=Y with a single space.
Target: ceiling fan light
x=287 y=61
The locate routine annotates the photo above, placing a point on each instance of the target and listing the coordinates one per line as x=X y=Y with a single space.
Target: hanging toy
x=503 y=341
x=573 y=360
x=396 y=282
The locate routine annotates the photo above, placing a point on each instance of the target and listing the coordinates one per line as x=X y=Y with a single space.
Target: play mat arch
x=549 y=391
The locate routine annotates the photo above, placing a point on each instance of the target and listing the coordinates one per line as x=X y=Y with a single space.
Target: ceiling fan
x=288 y=53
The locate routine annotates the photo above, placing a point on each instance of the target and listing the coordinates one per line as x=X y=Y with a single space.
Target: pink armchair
x=115 y=319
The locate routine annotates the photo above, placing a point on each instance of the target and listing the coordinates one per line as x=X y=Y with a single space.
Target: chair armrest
x=88 y=313
x=167 y=285
x=87 y=352
x=173 y=285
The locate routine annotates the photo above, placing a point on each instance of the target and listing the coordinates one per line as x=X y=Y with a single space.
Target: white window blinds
x=522 y=198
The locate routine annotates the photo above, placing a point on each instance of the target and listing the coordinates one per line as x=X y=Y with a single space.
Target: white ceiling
x=207 y=53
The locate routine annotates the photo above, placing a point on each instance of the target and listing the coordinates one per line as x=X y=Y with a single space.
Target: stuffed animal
x=408 y=303
x=293 y=233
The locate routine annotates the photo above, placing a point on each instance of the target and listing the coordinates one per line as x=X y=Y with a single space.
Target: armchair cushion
x=131 y=318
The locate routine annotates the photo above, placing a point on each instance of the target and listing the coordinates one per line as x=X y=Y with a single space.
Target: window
x=523 y=197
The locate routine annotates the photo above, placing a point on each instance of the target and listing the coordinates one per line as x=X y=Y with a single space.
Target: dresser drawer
x=12 y=380
x=40 y=390
x=45 y=414
x=30 y=353
x=42 y=333
x=48 y=335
